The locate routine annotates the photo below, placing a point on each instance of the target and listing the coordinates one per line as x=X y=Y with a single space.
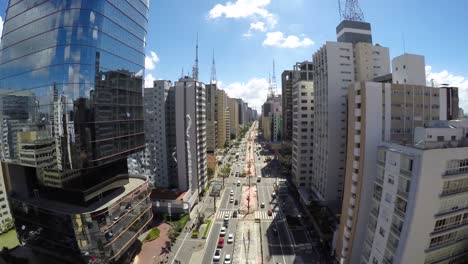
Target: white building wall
x=333 y=73
x=4 y=206
x=302 y=133
x=409 y=69
x=381 y=61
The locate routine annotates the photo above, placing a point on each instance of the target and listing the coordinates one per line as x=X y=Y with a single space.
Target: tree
x=225 y=171
x=210 y=173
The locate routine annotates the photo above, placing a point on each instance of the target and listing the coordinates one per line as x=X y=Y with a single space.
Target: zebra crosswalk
x=263 y=215
x=221 y=213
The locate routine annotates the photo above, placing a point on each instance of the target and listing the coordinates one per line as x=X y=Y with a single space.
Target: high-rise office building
x=158 y=148
x=287 y=104
x=419 y=199
x=272 y=118
x=234 y=117
x=303 y=126
x=220 y=112
x=378 y=112
x=83 y=107
x=336 y=66
x=211 y=124
x=190 y=137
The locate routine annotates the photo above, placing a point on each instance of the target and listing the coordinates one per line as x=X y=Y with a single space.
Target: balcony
x=399 y=213
x=395 y=230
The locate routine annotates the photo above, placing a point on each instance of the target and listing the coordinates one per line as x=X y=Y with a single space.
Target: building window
x=381 y=231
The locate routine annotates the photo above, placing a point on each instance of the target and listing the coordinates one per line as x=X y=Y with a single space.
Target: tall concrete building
x=69 y=190
x=211 y=124
x=5 y=214
x=378 y=112
x=272 y=118
x=157 y=128
x=233 y=117
x=287 y=104
x=302 y=140
x=336 y=66
x=409 y=69
x=190 y=137
x=419 y=200
x=220 y=111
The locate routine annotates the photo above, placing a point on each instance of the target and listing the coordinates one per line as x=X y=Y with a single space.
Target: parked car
x=221 y=242
x=217 y=255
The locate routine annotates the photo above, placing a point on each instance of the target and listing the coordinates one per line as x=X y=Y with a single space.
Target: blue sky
x=247 y=34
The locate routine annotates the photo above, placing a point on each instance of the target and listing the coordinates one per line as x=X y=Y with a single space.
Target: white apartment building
x=409 y=69
x=335 y=68
x=190 y=135
x=156 y=130
x=302 y=132
x=419 y=211
x=4 y=206
x=211 y=124
x=378 y=112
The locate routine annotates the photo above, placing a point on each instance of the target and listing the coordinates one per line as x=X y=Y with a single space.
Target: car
x=217 y=255
x=222 y=232
x=231 y=200
x=273 y=194
x=232 y=192
x=238 y=183
x=230 y=238
x=270 y=213
x=236 y=202
x=221 y=242
x=262 y=205
x=234 y=214
x=227 y=259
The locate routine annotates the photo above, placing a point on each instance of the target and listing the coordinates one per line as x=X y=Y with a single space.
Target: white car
x=227 y=259
x=232 y=192
x=217 y=255
x=223 y=231
x=231 y=200
x=230 y=238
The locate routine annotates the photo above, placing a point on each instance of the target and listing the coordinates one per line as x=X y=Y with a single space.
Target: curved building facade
x=71 y=111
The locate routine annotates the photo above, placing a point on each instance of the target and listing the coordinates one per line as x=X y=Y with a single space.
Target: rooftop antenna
x=213 y=71
x=270 y=87
x=182 y=73
x=273 y=81
x=195 y=67
x=432 y=83
x=352 y=11
x=339 y=10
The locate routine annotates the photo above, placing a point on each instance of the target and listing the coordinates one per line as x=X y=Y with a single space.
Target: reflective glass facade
x=73 y=70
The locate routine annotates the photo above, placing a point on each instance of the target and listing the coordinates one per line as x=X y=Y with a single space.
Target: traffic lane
x=211 y=243
x=229 y=248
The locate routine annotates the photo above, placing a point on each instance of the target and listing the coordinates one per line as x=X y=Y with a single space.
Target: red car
x=221 y=242
x=270 y=212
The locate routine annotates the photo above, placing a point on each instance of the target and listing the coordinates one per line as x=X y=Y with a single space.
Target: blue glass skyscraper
x=71 y=111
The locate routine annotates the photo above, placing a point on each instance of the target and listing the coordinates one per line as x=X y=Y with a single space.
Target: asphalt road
x=226 y=207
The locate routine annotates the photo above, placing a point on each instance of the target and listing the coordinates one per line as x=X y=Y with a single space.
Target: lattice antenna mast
x=273 y=81
x=270 y=87
x=195 y=67
x=352 y=11
x=213 y=71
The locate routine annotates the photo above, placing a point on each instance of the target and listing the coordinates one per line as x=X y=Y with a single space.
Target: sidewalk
x=155 y=251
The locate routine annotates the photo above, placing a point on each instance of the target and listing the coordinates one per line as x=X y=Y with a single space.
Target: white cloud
x=149 y=79
x=151 y=61
x=258 y=26
x=445 y=77
x=277 y=39
x=244 y=9
x=253 y=92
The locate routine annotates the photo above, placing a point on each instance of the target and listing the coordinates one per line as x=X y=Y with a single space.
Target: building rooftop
x=166 y=194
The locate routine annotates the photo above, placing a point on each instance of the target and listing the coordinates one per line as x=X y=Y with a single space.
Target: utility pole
x=214 y=203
